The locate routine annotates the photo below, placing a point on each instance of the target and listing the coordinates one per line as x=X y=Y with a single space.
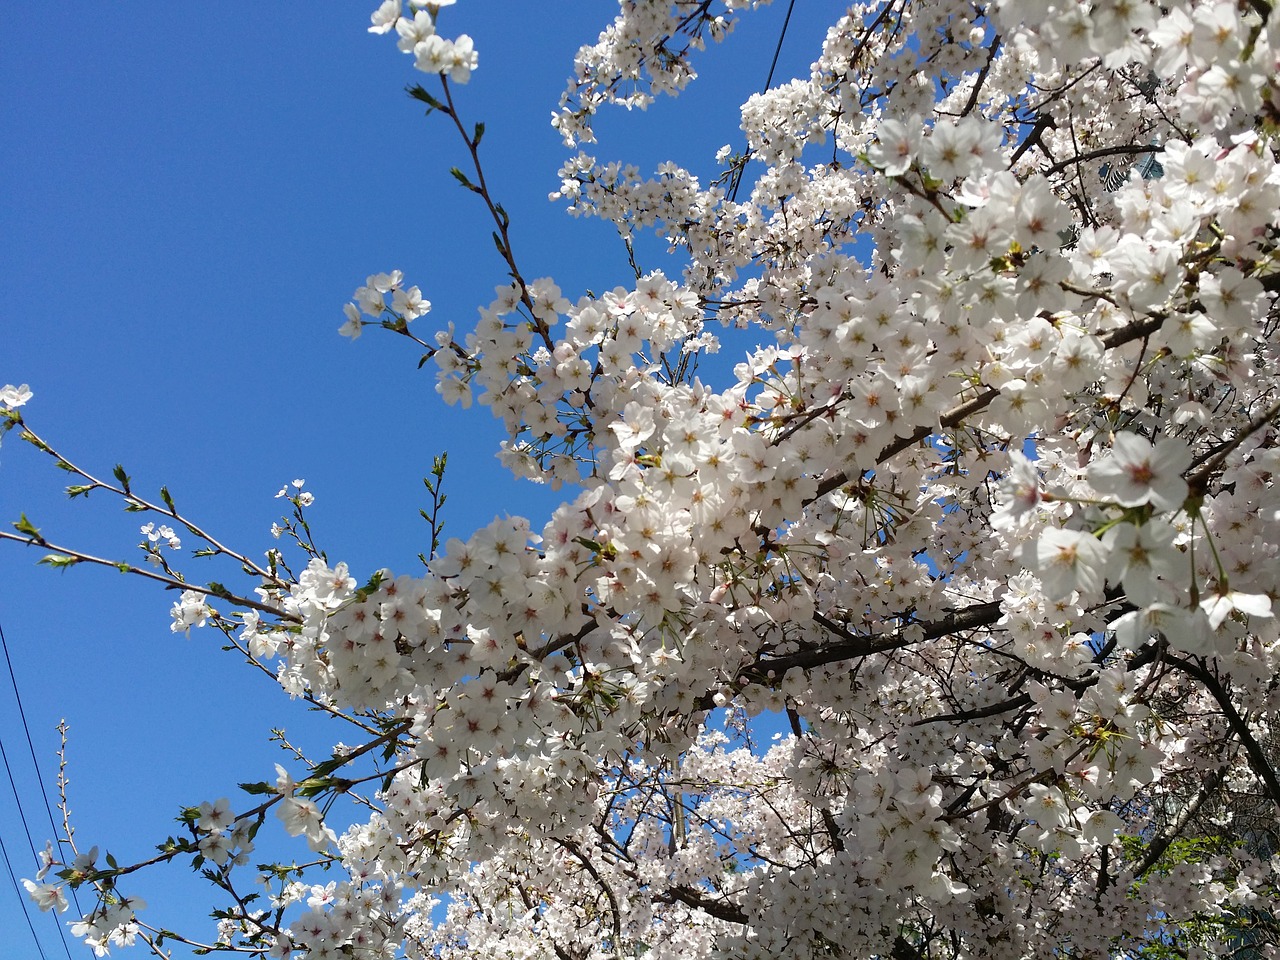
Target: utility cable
x=23 y=898
x=13 y=784
x=48 y=809
x=777 y=50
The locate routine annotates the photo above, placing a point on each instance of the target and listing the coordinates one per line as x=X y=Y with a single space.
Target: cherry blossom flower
x=1139 y=472
x=385 y=17
x=1068 y=560
x=12 y=397
x=47 y=896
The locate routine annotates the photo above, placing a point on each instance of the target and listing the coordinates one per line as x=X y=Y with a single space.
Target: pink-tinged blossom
x=215 y=817
x=1139 y=472
x=47 y=896
x=301 y=817
x=1020 y=493
x=897 y=144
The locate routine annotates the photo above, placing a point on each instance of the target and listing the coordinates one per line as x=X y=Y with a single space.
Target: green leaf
x=313 y=786
x=189 y=815
x=479 y=133
x=79 y=490
x=369 y=588
x=462 y=179
x=327 y=767
x=58 y=561
x=111 y=862
x=25 y=526
x=122 y=477
x=168 y=500
x=418 y=92
x=35 y=441
x=219 y=591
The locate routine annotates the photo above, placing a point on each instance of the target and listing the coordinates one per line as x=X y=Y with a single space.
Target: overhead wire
x=13 y=785
x=13 y=680
x=22 y=898
x=777 y=50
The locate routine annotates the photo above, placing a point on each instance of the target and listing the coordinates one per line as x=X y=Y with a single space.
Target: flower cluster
x=987 y=515
x=431 y=52
x=370 y=300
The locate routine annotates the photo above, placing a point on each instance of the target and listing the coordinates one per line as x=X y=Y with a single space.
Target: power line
x=48 y=809
x=23 y=899
x=777 y=50
x=13 y=785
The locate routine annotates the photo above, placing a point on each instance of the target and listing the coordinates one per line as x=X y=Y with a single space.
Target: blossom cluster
x=987 y=514
x=431 y=52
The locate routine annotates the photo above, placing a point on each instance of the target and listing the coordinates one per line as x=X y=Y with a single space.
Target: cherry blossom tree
x=988 y=514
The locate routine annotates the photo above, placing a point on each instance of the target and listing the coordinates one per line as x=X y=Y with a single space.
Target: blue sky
x=189 y=199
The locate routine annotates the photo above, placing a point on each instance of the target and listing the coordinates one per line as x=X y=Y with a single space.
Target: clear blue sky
x=189 y=197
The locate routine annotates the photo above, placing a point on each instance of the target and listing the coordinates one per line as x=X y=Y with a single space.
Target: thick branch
x=1161 y=843
x=720 y=909
x=1125 y=150
x=1262 y=767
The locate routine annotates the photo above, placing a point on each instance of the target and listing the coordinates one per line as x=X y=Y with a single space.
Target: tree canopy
x=987 y=515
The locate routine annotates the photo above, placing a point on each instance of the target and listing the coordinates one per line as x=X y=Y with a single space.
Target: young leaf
x=58 y=561
x=418 y=92
x=219 y=591
x=462 y=179
x=25 y=526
